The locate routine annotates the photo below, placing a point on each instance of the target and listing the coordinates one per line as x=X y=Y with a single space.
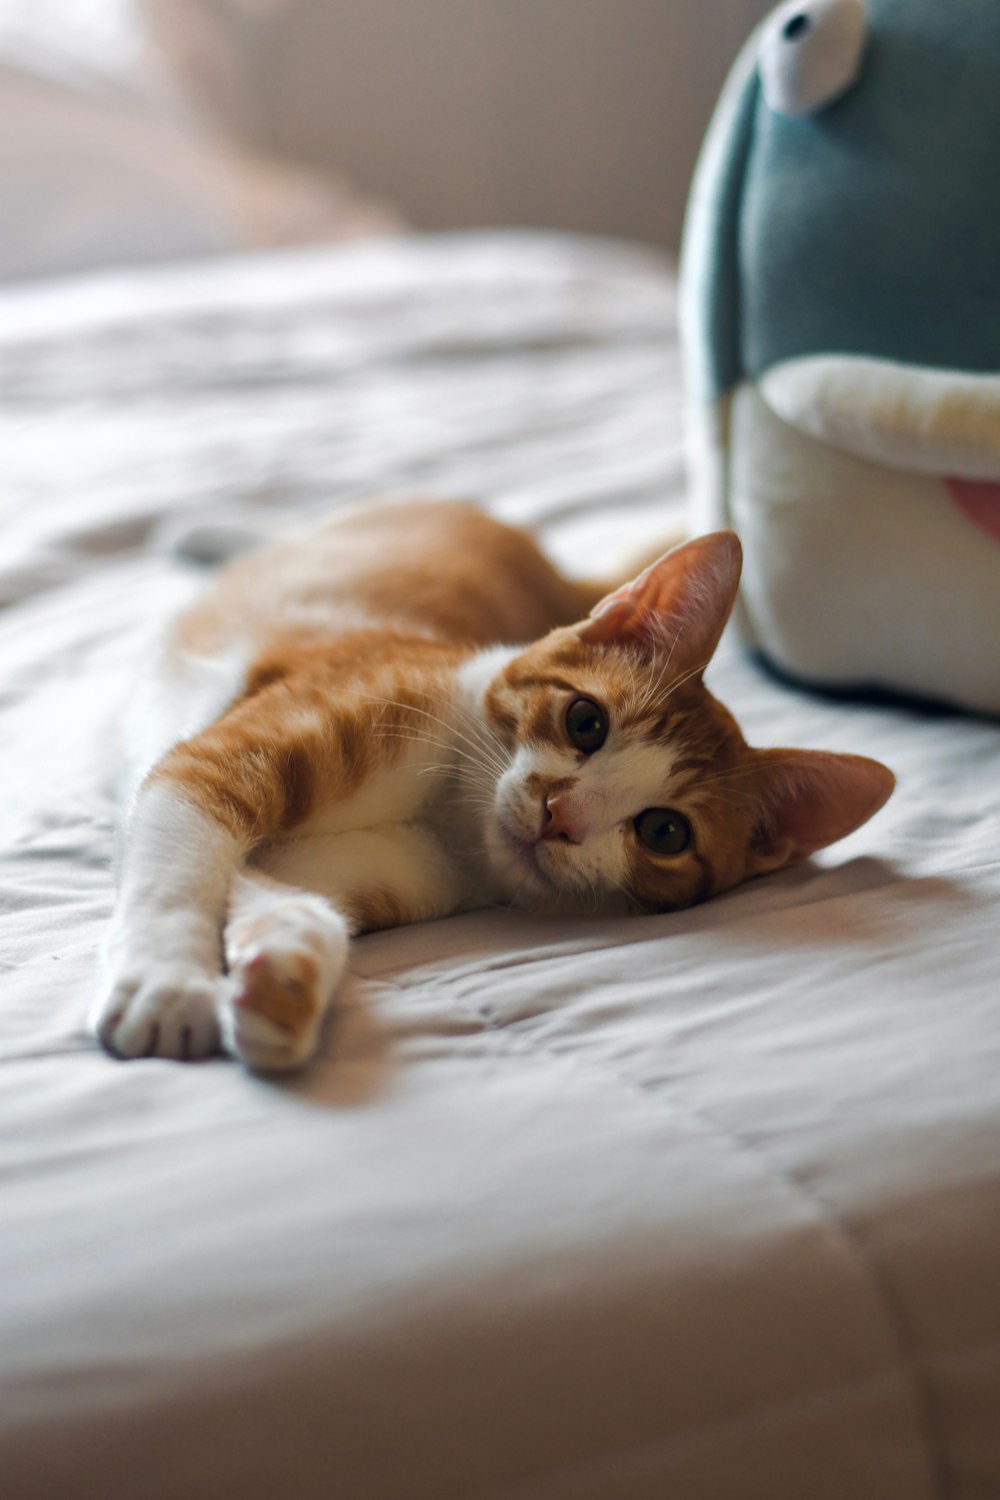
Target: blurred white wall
x=103 y=161
x=138 y=130
x=577 y=114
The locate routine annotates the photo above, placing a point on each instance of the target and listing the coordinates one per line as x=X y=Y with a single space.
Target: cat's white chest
x=408 y=829
x=426 y=782
x=402 y=793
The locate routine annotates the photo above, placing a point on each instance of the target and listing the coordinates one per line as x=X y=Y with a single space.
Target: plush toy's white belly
x=860 y=570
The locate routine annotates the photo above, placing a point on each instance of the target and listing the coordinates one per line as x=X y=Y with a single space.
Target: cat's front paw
x=286 y=954
x=160 y=1010
x=272 y=1018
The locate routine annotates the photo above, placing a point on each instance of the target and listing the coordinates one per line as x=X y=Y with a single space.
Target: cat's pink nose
x=559 y=822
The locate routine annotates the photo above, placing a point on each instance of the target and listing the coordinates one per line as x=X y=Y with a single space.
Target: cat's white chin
x=515 y=860
x=532 y=875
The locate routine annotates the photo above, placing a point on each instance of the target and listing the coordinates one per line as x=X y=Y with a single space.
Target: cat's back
x=408 y=576
x=439 y=568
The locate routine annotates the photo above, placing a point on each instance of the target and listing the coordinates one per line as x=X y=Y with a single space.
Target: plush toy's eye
x=586 y=725
x=663 y=831
x=811 y=53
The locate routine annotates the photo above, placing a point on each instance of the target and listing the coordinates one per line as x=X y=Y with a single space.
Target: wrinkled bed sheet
x=698 y=1206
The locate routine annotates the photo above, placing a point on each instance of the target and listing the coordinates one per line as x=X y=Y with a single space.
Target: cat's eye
x=586 y=725
x=663 y=831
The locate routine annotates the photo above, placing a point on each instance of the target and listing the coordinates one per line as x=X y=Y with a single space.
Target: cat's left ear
x=680 y=603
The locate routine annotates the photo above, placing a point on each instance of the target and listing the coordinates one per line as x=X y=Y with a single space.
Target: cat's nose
x=559 y=822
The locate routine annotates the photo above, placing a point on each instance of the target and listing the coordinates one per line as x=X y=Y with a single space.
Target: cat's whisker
x=653 y=688
x=633 y=697
x=754 y=768
x=481 y=748
x=677 y=683
x=423 y=739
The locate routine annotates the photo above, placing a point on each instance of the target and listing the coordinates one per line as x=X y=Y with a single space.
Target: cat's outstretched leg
x=286 y=951
x=163 y=982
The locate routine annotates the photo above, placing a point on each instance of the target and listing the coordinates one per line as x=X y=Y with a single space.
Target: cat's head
x=628 y=784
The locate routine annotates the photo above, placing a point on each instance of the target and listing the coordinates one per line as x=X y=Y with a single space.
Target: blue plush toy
x=841 y=311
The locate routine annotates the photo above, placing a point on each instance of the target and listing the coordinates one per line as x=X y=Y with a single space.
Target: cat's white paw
x=160 y=1010
x=265 y=1046
x=286 y=957
x=271 y=1020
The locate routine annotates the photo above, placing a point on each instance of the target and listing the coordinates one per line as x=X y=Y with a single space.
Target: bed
x=703 y=1205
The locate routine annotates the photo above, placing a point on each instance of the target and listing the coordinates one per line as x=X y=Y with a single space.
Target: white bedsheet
x=703 y=1206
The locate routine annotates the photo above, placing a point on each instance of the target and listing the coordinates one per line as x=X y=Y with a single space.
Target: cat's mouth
x=524 y=852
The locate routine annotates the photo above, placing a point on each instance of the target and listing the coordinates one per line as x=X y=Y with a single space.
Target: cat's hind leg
x=286 y=951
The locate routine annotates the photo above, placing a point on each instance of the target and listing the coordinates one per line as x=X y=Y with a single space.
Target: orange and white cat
x=339 y=738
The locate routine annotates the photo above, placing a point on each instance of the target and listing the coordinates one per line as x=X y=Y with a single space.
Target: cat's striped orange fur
x=346 y=742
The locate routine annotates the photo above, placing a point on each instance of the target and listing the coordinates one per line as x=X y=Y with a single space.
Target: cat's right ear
x=680 y=603
x=808 y=799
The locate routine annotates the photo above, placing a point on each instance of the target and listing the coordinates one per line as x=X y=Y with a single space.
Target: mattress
x=701 y=1205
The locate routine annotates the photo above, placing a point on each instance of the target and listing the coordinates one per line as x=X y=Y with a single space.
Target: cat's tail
x=209 y=546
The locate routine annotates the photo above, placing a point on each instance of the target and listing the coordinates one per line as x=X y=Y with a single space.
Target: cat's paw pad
x=160 y=1010
x=273 y=1016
